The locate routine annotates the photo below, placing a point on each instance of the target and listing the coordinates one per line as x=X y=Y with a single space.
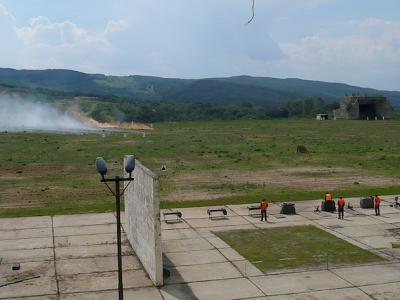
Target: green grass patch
x=395 y=245
x=60 y=208
x=294 y=247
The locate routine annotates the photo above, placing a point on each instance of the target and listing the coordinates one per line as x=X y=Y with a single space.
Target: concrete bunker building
x=361 y=107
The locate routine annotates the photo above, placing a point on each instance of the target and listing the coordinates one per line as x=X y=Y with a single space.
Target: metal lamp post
x=102 y=170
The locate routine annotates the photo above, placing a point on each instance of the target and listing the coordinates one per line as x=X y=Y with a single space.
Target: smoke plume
x=18 y=114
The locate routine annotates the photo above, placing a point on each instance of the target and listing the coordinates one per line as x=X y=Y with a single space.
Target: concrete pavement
x=67 y=257
x=74 y=257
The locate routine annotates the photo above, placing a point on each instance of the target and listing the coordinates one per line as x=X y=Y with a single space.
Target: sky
x=355 y=42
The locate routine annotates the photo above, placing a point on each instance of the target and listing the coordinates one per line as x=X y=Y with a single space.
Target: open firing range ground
x=226 y=162
x=75 y=257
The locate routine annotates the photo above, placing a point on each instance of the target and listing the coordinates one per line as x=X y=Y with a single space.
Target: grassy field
x=207 y=163
x=294 y=247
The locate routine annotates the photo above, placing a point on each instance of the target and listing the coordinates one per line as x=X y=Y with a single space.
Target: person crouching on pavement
x=264 y=205
x=341 y=203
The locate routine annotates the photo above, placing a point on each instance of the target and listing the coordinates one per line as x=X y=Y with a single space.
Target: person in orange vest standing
x=264 y=205
x=341 y=203
x=377 y=203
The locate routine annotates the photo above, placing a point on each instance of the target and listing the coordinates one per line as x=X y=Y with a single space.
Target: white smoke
x=17 y=114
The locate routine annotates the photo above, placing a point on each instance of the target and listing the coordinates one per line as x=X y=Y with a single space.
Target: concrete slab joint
x=143 y=226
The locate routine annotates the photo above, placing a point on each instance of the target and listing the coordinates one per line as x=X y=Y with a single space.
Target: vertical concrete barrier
x=142 y=217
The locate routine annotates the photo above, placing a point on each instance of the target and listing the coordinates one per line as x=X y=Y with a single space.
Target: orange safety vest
x=328 y=197
x=341 y=202
x=264 y=205
x=377 y=200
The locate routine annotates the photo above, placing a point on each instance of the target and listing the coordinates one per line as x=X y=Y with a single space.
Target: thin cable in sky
x=252 y=16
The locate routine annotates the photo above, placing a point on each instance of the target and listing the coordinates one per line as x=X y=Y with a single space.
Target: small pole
x=118 y=209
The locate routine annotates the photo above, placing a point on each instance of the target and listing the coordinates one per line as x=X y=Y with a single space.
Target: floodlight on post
x=130 y=165
x=101 y=167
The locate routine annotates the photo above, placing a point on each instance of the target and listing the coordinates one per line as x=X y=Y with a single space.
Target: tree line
x=150 y=112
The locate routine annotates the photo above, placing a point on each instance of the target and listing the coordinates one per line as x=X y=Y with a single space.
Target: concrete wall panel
x=143 y=226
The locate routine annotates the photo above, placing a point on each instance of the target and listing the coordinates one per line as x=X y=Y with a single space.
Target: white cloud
x=50 y=44
x=5 y=14
x=371 y=49
x=46 y=44
x=42 y=33
x=115 y=26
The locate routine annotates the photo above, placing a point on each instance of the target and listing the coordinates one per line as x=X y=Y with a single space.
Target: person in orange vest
x=264 y=205
x=341 y=203
x=377 y=202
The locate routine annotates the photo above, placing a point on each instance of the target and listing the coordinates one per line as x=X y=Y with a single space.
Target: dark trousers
x=341 y=212
x=377 y=210
x=263 y=215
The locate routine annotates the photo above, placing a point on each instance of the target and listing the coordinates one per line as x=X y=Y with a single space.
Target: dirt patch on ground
x=18 y=172
x=191 y=186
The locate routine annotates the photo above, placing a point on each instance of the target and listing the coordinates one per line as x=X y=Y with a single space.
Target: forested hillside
x=261 y=91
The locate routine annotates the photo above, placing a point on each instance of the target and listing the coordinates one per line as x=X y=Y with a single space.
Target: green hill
x=263 y=91
x=310 y=88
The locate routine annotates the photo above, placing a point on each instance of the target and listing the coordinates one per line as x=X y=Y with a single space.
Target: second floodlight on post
x=101 y=166
x=130 y=165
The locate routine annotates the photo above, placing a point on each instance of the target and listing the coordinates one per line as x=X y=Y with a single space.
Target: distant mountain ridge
x=265 y=91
